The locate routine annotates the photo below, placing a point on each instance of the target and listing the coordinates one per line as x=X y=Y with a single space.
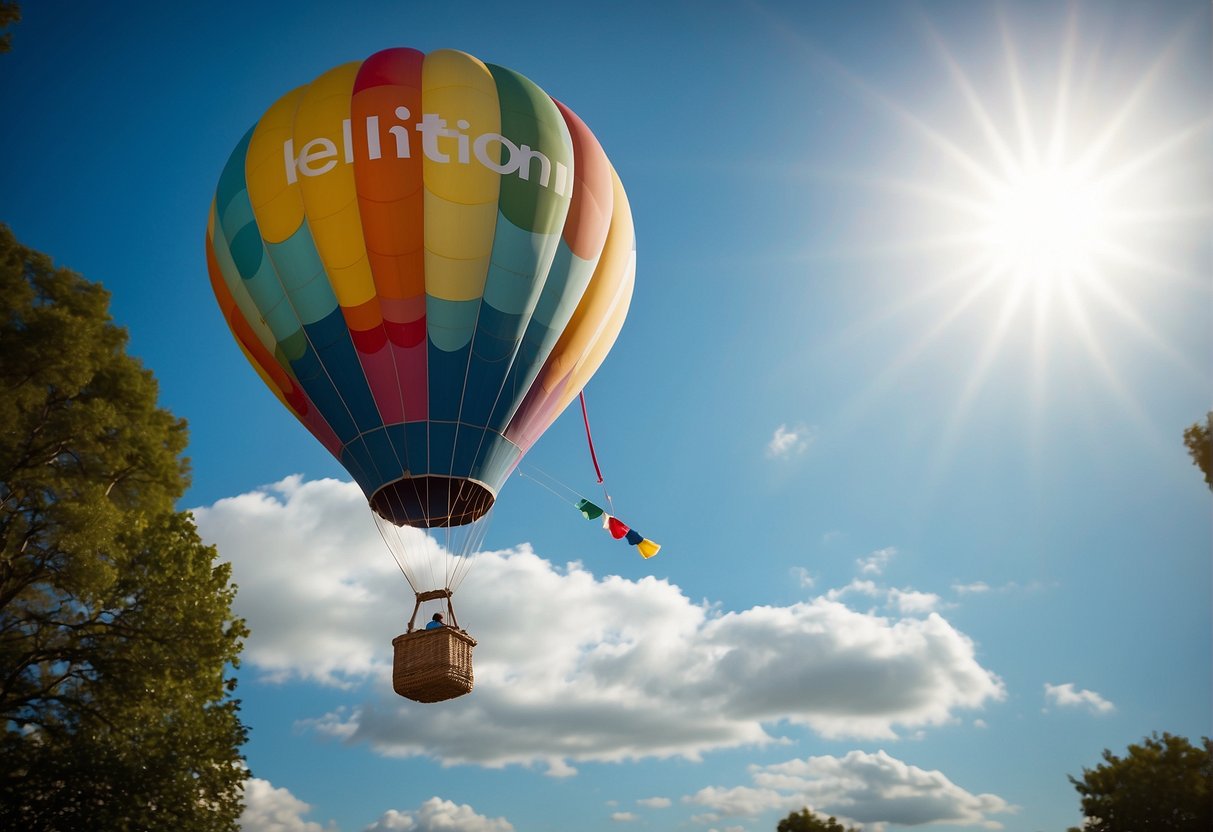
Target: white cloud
x=802 y=576
x=875 y=562
x=788 y=441
x=854 y=587
x=558 y=766
x=270 y=809
x=635 y=668
x=742 y=801
x=869 y=789
x=655 y=802
x=1065 y=696
x=316 y=584
x=978 y=587
x=438 y=815
x=901 y=601
x=910 y=602
x=624 y=817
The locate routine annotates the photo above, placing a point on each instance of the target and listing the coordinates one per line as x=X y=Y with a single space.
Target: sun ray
x=1028 y=155
x=991 y=347
x=1094 y=152
x=931 y=135
x=976 y=379
x=977 y=110
x=1082 y=325
x=888 y=375
x=1119 y=175
x=1065 y=74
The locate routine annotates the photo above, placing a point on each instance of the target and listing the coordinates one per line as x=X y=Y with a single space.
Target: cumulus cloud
x=270 y=809
x=624 y=817
x=790 y=441
x=1065 y=696
x=869 y=789
x=855 y=587
x=438 y=815
x=875 y=562
x=655 y=802
x=742 y=801
x=910 y=602
x=635 y=669
x=316 y=584
x=900 y=601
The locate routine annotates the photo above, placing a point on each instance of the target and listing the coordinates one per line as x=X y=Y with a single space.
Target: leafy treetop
x=807 y=821
x=1199 y=440
x=1163 y=784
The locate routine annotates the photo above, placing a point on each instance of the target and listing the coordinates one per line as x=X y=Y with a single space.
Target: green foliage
x=806 y=821
x=10 y=13
x=116 y=629
x=1165 y=783
x=1199 y=440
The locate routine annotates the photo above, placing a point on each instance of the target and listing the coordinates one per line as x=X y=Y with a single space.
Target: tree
x=806 y=821
x=116 y=629
x=1199 y=439
x=1165 y=783
x=10 y=14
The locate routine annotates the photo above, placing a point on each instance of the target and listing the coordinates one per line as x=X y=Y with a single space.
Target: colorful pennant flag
x=648 y=548
x=588 y=510
x=618 y=529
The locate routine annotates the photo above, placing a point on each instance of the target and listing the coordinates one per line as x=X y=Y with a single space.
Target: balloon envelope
x=425 y=257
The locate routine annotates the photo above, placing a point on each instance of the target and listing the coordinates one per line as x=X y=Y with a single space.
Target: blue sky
x=909 y=433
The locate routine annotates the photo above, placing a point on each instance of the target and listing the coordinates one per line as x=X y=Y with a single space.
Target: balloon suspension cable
x=549 y=482
x=444 y=559
x=379 y=524
x=585 y=417
x=473 y=536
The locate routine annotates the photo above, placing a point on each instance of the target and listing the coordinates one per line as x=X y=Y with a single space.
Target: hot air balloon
x=425 y=257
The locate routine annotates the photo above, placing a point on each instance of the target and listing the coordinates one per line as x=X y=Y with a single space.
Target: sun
x=1044 y=226
x=1038 y=208
x=1044 y=201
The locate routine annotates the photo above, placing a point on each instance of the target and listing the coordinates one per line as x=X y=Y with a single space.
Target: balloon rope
x=585 y=417
x=571 y=496
x=548 y=487
x=379 y=524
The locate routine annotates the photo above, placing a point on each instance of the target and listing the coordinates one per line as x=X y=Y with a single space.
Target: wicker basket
x=433 y=665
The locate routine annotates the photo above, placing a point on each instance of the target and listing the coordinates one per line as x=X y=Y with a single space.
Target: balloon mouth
x=432 y=501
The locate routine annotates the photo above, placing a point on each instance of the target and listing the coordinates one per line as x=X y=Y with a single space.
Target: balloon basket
x=432 y=665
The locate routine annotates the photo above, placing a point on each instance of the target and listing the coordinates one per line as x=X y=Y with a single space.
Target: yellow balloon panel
x=322 y=135
x=460 y=198
x=276 y=201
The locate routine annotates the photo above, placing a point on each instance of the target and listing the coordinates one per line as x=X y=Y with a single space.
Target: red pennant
x=617 y=528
